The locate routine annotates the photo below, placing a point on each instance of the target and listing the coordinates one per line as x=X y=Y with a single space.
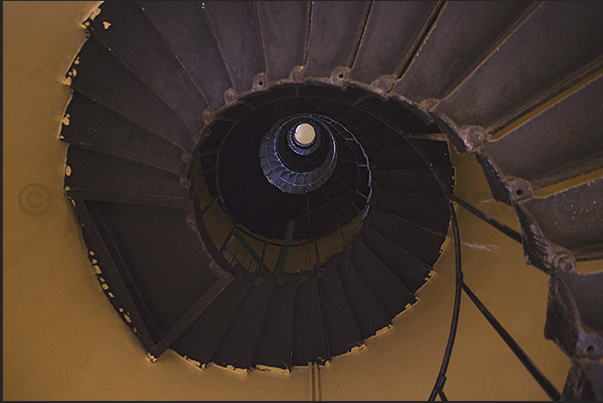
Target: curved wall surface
x=63 y=340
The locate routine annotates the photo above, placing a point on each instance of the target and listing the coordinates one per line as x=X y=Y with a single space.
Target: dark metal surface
x=335 y=29
x=536 y=61
x=544 y=150
x=184 y=27
x=572 y=218
x=419 y=240
x=412 y=271
x=584 y=382
x=101 y=250
x=341 y=328
x=523 y=59
x=128 y=33
x=391 y=35
x=403 y=156
x=309 y=332
x=587 y=292
x=237 y=345
x=198 y=342
x=418 y=181
x=118 y=176
x=100 y=129
x=390 y=292
x=539 y=252
x=104 y=79
x=129 y=198
x=452 y=49
x=500 y=185
x=573 y=319
x=243 y=53
x=172 y=278
x=283 y=27
x=369 y=315
x=274 y=348
x=432 y=213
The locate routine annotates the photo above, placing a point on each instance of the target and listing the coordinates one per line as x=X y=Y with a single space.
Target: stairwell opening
x=300 y=203
x=305 y=134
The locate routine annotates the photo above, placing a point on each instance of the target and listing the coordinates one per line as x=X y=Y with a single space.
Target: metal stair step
x=283 y=30
x=184 y=27
x=572 y=218
x=532 y=64
x=369 y=316
x=573 y=317
x=342 y=330
x=130 y=35
x=243 y=54
x=405 y=156
x=433 y=213
x=366 y=128
x=335 y=30
x=341 y=203
x=238 y=343
x=422 y=242
x=166 y=283
x=390 y=109
x=101 y=77
x=451 y=49
x=100 y=129
x=391 y=293
x=199 y=340
x=118 y=176
x=275 y=343
x=411 y=271
x=309 y=333
x=419 y=181
x=542 y=149
x=392 y=32
x=381 y=140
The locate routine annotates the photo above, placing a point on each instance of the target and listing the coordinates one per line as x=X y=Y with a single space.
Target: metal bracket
x=383 y=85
x=505 y=188
x=259 y=83
x=230 y=97
x=296 y=75
x=572 y=319
x=584 y=382
x=338 y=76
x=538 y=252
x=466 y=139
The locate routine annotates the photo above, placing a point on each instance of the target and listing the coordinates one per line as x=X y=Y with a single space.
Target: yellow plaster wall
x=63 y=341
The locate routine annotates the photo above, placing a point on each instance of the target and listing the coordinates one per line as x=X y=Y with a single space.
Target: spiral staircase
x=215 y=233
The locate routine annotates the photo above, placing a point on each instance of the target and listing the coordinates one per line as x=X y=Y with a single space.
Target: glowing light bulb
x=304 y=133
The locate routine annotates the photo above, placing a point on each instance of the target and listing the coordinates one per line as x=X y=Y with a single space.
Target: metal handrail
x=460 y=285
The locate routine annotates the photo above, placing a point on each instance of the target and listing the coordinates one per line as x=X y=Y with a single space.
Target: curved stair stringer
x=532 y=151
x=557 y=249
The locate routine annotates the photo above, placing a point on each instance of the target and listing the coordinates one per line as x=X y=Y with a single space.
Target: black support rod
x=459 y=275
x=510 y=232
x=544 y=383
